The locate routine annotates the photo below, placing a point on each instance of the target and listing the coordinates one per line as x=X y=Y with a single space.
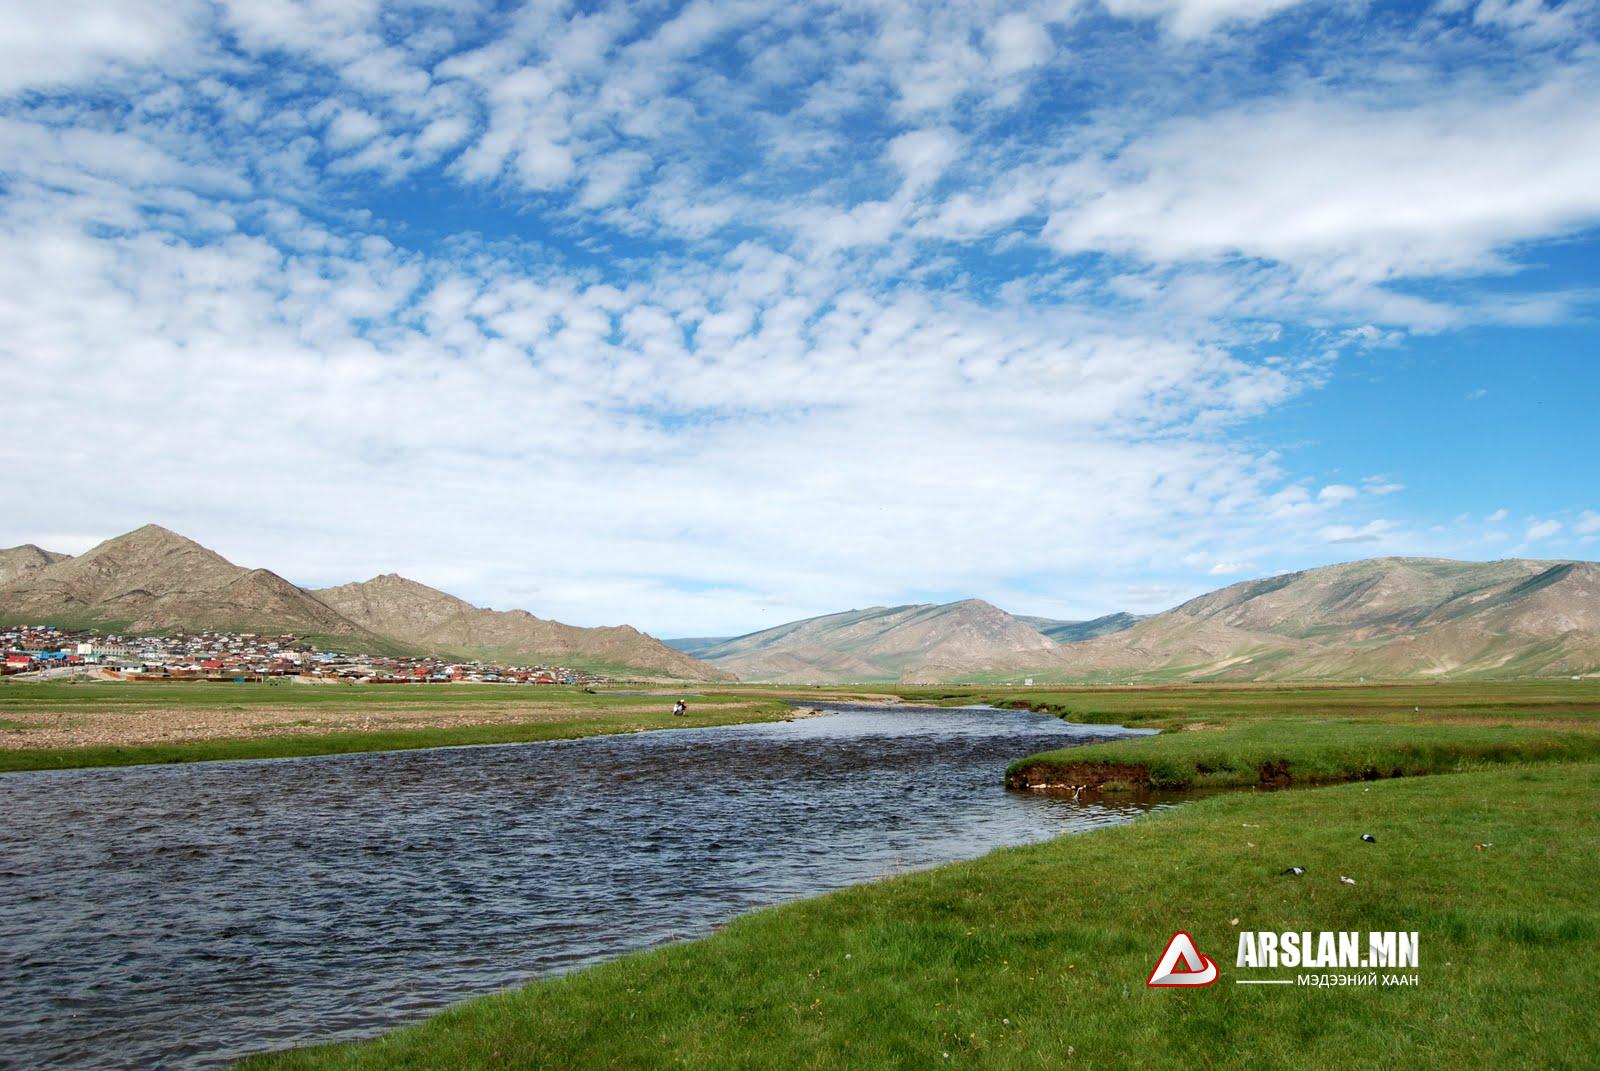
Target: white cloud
x=769 y=308
x=69 y=41
x=1342 y=191
x=1543 y=529
x=1381 y=485
x=1371 y=532
x=817 y=444
x=1533 y=20
x=1018 y=43
x=608 y=178
x=1194 y=18
x=922 y=156
x=1588 y=523
x=1497 y=516
x=352 y=127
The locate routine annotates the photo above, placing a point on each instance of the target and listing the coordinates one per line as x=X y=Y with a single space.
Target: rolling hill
x=17 y=562
x=152 y=580
x=1384 y=618
x=921 y=643
x=419 y=616
x=1381 y=618
x=1078 y=631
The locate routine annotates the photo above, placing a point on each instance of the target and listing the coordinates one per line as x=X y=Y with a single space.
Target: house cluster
x=47 y=651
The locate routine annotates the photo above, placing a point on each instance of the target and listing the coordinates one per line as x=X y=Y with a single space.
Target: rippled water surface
x=182 y=916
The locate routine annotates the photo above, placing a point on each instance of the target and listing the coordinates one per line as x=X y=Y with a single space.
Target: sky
x=707 y=316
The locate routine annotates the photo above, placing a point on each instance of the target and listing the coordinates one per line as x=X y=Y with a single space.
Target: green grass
x=104 y=695
x=591 y=714
x=1312 y=752
x=1498 y=702
x=1224 y=736
x=1035 y=958
x=340 y=743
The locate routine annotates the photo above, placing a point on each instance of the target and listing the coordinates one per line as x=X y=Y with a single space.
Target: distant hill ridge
x=154 y=580
x=919 y=643
x=1383 y=618
x=1078 y=631
x=416 y=614
x=1380 y=618
x=16 y=562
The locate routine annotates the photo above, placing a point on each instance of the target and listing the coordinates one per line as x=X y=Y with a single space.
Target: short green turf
x=592 y=713
x=1035 y=958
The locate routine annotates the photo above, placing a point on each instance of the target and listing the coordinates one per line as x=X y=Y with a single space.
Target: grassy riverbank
x=1036 y=957
x=1217 y=737
x=1283 y=752
x=1548 y=703
x=60 y=725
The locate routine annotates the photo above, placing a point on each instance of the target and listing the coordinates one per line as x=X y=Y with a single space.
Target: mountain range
x=922 y=643
x=17 y=562
x=1384 y=618
x=423 y=617
x=1379 y=618
x=154 y=580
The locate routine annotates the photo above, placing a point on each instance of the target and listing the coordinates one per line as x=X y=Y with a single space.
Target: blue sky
x=707 y=316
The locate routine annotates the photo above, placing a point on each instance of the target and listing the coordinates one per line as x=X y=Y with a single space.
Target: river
x=184 y=916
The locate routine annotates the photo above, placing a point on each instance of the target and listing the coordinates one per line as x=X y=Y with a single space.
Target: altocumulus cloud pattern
x=710 y=315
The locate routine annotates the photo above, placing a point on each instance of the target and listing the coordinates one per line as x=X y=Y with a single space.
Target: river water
x=183 y=916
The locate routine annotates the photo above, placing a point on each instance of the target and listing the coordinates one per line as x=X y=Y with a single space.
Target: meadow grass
x=1226 y=736
x=590 y=714
x=1553 y=702
x=1035 y=957
x=1284 y=751
x=110 y=695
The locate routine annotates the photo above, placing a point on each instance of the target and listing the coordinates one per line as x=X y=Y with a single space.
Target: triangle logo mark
x=1196 y=970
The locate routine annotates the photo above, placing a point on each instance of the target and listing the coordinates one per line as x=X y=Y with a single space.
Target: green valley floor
x=63 y=725
x=1036 y=957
